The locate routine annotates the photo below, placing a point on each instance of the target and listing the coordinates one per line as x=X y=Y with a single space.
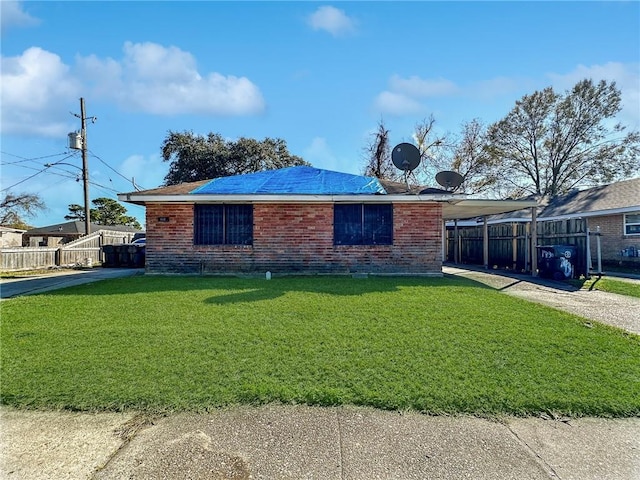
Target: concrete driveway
x=29 y=285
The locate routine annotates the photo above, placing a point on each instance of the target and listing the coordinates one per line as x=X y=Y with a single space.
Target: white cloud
x=417 y=87
x=148 y=172
x=37 y=89
x=165 y=81
x=406 y=96
x=397 y=104
x=626 y=76
x=332 y=20
x=319 y=154
x=498 y=87
x=13 y=15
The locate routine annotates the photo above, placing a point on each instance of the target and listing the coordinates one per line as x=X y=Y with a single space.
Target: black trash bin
x=556 y=261
x=138 y=256
x=111 y=258
x=128 y=255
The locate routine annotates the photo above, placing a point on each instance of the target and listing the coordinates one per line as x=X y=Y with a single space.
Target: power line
x=29 y=177
x=24 y=159
x=110 y=167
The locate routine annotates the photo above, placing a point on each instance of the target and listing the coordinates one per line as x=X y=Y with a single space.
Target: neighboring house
x=612 y=209
x=301 y=220
x=62 y=233
x=10 y=237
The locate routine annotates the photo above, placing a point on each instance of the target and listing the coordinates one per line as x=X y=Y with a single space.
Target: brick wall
x=612 y=240
x=294 y=238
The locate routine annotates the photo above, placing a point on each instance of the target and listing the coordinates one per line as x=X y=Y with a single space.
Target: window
x=223 y=225
x=632 y=224
x=363 y=224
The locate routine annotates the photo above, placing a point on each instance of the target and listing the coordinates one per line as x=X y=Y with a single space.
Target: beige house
x=10 y=237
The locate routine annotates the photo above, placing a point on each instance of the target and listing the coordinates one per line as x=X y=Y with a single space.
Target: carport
x=468 y=208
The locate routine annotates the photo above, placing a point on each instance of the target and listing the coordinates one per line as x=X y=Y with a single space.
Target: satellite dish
x=449 y=179
x=405 y=156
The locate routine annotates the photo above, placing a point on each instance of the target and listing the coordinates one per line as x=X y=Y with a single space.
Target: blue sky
x=318 y=75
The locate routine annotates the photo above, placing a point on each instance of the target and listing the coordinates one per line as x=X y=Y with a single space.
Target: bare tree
x=472 y=161
x=378 y=155
x=15 y=207
x=434 y=151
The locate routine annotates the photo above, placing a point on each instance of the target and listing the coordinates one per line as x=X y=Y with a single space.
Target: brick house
x=300 y=220
x=612 y=209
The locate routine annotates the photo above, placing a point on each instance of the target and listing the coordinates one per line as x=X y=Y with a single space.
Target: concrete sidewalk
x=300 y=442
x=34 y=284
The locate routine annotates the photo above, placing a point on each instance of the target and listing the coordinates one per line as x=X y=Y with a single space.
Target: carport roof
x=473 y=207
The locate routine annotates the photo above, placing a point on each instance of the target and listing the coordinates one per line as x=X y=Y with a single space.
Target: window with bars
x=632 y=224
x=223 y=225
x=363 y=224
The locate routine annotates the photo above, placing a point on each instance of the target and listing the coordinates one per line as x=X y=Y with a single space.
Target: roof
x=611 y=198
x=300 y=180
x=614 y=198
x=307 y=185
x=77 y=228
x=11 y=229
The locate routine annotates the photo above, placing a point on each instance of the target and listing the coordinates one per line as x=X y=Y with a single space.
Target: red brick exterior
x=295 y=238
x=613 y=240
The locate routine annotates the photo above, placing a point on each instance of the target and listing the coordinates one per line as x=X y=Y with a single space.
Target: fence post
x=534 y=241
x=456 y=241
x=514 y=245
x=589 y=265
x=58 y=257
x=598 y=250
x=485 y=243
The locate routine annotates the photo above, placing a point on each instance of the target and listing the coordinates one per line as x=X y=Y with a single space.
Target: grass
x=613 y=286
x=37 y=271
x=441 y=346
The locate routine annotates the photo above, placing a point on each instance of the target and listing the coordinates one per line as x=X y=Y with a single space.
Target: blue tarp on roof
x=293 y=181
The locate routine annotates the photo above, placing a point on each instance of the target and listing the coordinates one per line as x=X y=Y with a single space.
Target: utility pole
x=85 y=170
x=73 y=143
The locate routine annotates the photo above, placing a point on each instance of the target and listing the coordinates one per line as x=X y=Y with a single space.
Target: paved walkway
x=55 y=279
x=300 y=442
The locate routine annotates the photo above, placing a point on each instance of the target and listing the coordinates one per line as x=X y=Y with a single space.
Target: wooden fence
x=84 y=251
x=509 y=243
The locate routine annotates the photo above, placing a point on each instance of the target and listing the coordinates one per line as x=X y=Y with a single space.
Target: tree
x=550 y=143
x=107 y=212
x=378 y=155
x=434 y=150
x=196 y=157
x=472 y=161
x=15 y=207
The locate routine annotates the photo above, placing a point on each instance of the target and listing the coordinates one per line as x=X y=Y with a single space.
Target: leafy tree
x=550 y=143
x=15 y=207
x=196 y=157
x=107 y=212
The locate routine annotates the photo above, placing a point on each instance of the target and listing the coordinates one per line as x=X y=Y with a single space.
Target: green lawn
x=440 y=345
x=613 y=286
